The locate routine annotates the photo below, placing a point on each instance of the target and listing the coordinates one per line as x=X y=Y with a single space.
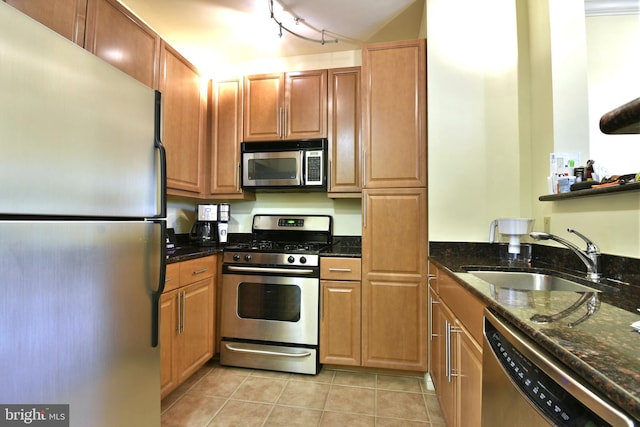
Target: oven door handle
x=266 y=352
x=270 y=270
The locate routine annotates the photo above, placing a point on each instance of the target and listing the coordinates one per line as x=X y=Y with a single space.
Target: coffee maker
x=224 y=212
x=205 y=230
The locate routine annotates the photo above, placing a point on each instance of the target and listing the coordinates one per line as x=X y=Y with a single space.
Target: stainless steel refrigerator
x=82 y=230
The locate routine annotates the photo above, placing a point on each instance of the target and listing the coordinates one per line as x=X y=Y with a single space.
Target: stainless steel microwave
x=285 y=165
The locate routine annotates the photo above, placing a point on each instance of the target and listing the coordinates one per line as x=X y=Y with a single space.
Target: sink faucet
x=590 y=257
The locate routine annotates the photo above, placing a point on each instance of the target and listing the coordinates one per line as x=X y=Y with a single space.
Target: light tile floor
x=223 y=396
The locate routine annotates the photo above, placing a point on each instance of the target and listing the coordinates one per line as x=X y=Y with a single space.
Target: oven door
x=272 y=169
x=270 y=308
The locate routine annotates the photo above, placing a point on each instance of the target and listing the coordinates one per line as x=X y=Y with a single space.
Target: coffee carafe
x=205 y=229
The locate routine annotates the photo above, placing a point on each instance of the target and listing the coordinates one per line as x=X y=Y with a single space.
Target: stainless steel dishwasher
x=524 y=386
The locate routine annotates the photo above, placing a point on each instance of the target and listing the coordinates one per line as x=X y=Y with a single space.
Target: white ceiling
x=214 y=32
x=234 y=31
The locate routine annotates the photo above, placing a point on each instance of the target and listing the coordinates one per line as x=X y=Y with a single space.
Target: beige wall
x=491 y=131
x=474 y=144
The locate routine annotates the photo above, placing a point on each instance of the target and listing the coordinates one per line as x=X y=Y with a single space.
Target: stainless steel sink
x=529 y=281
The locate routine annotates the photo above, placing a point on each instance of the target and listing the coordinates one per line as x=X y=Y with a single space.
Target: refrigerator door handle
x=157 y=142
x=155 y=295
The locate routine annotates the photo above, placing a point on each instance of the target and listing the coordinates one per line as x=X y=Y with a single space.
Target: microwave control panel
x=314 y=168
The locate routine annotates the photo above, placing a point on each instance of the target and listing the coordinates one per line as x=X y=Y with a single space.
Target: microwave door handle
x=302 y=169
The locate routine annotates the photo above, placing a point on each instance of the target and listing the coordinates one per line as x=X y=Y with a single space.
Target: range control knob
x=248 y=257
x=303 y=260
x=291 y=259
x=236 y=257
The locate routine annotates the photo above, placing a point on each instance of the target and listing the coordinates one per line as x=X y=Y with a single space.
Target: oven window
x=269 y=302
x=275 y=168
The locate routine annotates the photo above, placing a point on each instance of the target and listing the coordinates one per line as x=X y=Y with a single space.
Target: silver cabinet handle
x=447 y=351
x=431 y=334
x=340 y=270
x=202 y=270
x=267 y=352
x=179 y=317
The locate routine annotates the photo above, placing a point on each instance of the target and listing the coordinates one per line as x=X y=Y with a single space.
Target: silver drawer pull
x=267 y=352
x=203 y=270
x=340 y=270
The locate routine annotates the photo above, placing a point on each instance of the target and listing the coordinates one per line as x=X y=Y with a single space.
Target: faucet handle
x=591 y=247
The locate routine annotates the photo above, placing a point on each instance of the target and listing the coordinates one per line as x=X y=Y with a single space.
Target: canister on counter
x=579 y=173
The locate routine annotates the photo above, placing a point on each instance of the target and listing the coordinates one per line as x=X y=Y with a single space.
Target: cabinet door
x=436 y=340
x=469 y=379
x=121 y=39
x=305 y=114
x=168 y=331
x=65 y=17
x=263 y=107
x=183 y=113
x=196 y=327
x=394 y=114
x=340 y=323
x=226 y=131
x=394 y=282
x=344 y=131
x=447 y=381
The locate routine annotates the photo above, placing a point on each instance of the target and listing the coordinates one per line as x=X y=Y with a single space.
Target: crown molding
x=611 y=7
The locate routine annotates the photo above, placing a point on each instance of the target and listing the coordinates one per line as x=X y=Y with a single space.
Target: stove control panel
x=290 y=222
x=271 y=259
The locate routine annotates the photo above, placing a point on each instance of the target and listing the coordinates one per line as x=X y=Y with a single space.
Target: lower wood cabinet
x=394 y=278
x=186 y=320
x=340 y=311
x=456 y=350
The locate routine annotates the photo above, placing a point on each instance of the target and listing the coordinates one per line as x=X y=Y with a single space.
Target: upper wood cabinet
x=394 y=110
x=117 y=36
x=65 y=17
x=344 y=118
x=183 y=123
x=225 y=119
x=285 y=106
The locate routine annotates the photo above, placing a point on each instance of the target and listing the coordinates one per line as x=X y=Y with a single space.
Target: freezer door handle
x=157 y=142
x=155 y=295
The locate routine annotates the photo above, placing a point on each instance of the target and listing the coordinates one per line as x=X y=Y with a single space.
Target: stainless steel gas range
x=271 y=292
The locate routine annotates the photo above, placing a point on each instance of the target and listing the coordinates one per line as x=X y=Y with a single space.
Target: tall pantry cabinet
x=394 y=205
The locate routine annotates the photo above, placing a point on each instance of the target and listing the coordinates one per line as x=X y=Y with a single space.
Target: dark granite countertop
x=185 y=253
x=603 y=350
x=344 y=246
x=622 y=120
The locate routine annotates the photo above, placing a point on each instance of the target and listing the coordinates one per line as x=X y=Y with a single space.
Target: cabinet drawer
x=467 y=308
x=196 y=269
x=172 y=278
x=338 y=268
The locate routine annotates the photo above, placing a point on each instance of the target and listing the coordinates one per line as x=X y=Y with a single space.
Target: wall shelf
x=634 y=186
